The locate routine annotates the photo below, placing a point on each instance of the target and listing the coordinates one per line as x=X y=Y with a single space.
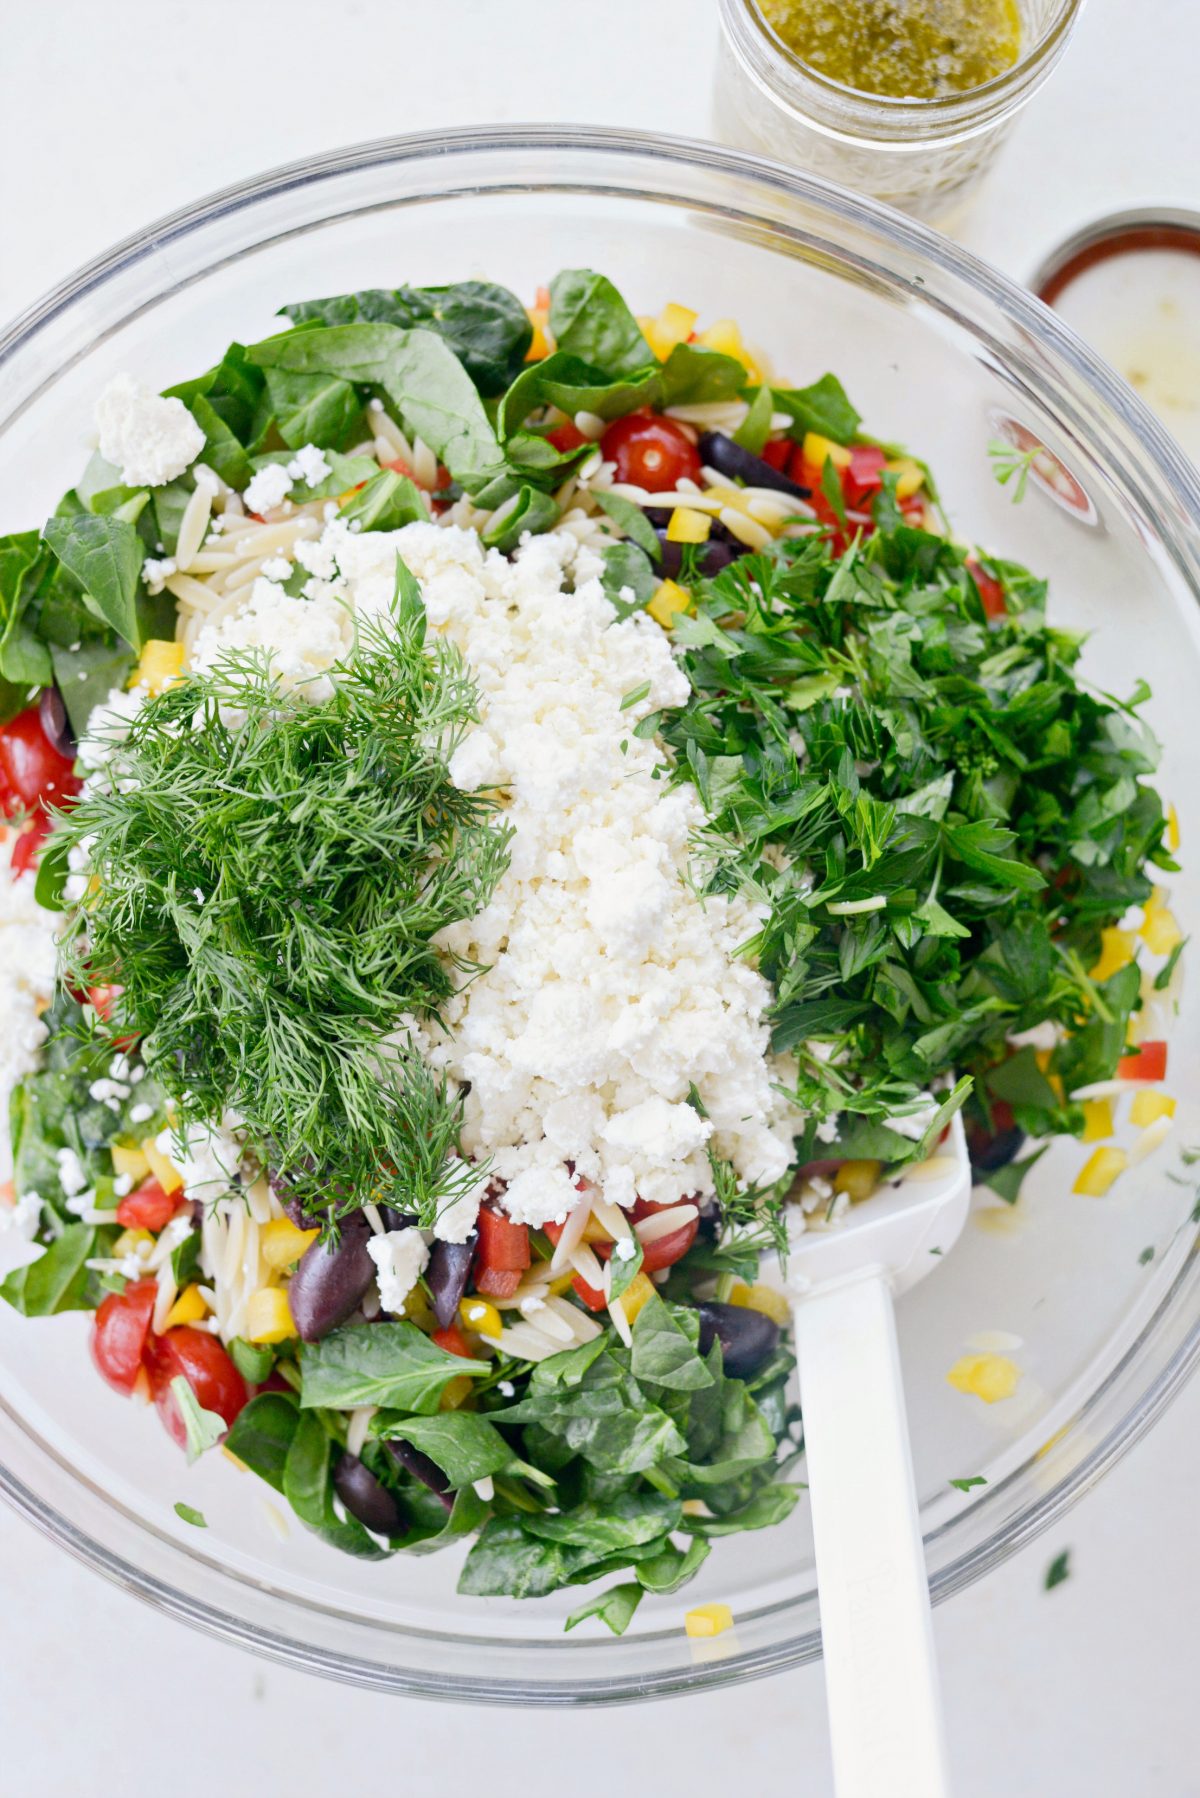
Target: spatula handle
x=880 y=1674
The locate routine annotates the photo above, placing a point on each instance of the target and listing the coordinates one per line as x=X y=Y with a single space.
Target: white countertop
x=110 y=116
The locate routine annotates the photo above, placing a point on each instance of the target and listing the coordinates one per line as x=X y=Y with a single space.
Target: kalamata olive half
x=366 y=1498
x=748 y=1338
x=56 y=726
x=331 y=1279
x=729 y=458
x=446 y=1276
x=423 y=1469
x=989 y=1152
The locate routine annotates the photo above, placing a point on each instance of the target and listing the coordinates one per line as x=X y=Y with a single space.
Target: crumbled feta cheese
x=208 y=1158
x=309 y=465
x=625 y=1248
x=827 y=1130
x=150 y=439
x=141 y=1114
x=400 y=1258
x=156 y=574
x=277 y=568
x=268 y=488
x=303 y=638
x=71 y=1176
x=455 y=1221
x=609 y=988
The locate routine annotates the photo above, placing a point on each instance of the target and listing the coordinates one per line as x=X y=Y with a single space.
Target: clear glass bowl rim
x=1173 y=492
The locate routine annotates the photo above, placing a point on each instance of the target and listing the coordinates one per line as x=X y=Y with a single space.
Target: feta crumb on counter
x=400 y=1257
x=152 y=440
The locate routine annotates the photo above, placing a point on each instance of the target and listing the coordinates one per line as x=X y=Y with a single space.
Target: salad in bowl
x=511 y=811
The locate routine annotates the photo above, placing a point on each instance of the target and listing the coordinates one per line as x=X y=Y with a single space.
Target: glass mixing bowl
x=937 y=350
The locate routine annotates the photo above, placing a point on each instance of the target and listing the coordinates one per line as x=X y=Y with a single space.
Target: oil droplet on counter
x=994 y=1342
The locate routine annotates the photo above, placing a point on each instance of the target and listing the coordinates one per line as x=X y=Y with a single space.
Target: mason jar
x=924 y=156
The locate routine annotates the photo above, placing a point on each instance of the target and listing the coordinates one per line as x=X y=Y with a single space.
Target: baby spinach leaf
x=23 y=659
x=105 y=556
x=633 y=521
x=87 y=675
x=767 y=1508
x=464 y=1445
x=574 y=385
x=1006 y=1182
x=672 y=1567
x=625 y=1269
x=531 y=511
x=627 y=568
x=262 y=1432
x=485 y=325
x=344 y=472
x=425 y=382
x=626 y=1522
x=755 y=428
x=614 y=1608
x=223 y=452
x=387 y=502
x=57 y=1280
x=823 y=408
x=693 y=376
x=506 y=1561
x=664 y=1347
x=589 y=319
x=189 y=1514
x=253 y=1360
x=319 y=408
x=308 y=1488
x=392 y=1365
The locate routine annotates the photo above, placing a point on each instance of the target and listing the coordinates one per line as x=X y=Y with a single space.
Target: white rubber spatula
x=880 y=1674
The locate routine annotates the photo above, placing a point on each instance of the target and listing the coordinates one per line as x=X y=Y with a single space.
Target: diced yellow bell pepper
x=1116 y=951
x=1172 y=829
x=188 y=1308
x=1099 y=1171
x=669 y=600
x=761 y=1297
x=129 y=1241
x=283 y=1242
x=1159 y=930
x=857 y=1179
x=686 y=525
x=594 y=1231
x=163 y=1169
x=640 y=1290
x=478 y=1315
x=455 y=1392
x=818 y=450
x=1097 y=1119
x=989 y=1377
x=726 y=337
x=419 y=1311
x=561 y=1283
x=708 y=1620
x=912 y=476
x=269 y=1316
x=1149 y=1106
x=129 y=1163
x=540 y=346
x=673 y=325
x=160 y=665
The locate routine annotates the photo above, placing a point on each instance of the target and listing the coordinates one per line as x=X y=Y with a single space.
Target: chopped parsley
x=1058 y=1570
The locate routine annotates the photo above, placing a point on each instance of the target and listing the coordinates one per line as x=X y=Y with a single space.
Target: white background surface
x=111 y=115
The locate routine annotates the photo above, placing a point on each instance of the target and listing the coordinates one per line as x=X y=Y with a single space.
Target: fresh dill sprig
x=269 y=877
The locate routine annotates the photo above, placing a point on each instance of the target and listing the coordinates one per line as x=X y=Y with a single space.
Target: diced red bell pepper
x=28 y=845
x=503 y=1244
x=778 y=454
x=149 y=1207
x=592 y=1296
x=399 y=466
x=453 y=1341
x=864 y=475
x=1149 y=1062
x=496 y=1282
x=991 y=593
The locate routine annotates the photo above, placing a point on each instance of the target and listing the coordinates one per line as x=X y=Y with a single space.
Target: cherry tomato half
x=566 y=437
x=650 y=452
x=666 y=1250
x=32 y=771
x=990 y=591
x=119 y=1332
x=592 y=1296
x=205 y=1366
x=148 y=1207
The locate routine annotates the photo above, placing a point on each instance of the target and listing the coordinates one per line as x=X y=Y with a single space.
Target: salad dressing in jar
x=906 y=100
